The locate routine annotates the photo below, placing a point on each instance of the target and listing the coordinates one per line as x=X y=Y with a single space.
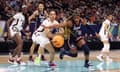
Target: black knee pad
x=86 y=49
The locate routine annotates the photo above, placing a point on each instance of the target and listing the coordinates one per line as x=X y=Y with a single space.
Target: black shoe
x=87 y=65
x=61 y=53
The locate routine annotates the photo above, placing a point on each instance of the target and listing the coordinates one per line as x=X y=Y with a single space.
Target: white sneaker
x=19 y=61
x=37 y=61
x=100 y=58
x=109 y=60
x=11 y=61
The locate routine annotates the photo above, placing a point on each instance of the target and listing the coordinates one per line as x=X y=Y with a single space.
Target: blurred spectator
x=93 y=10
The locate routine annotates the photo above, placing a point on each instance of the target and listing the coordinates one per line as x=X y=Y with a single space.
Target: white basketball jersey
x=47 y=22
x=102 y=30
x=18 y=21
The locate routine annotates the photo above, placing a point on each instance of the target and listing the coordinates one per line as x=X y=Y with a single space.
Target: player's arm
x=106 y=30
x=8 y=25
x=106 y=27
x=57 y=25
x=9 y=21
x=48 y=33
x=46 y=14
x=61 y=31
x=33 y=16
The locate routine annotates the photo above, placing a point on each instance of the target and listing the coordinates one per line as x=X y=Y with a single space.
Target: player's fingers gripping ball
x=58 y=41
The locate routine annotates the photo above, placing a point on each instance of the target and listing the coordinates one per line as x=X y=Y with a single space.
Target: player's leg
x=32 y=48
x=17 y=50
x=40 y=55
x=69 y=49
x=31 y=52
x=41 y=51
x=45 y=43
x=51 y=50
x=100 y=56
x=105 y=50
x=86 y=49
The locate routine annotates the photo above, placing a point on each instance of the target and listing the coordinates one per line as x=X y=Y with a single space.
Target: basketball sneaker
x=37 y=60
x=11 y=60
x=52 y=64
x=19 y=61
x=100 y=58
x=87 y=65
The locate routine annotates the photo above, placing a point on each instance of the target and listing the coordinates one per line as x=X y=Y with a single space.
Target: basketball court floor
x=68 y=64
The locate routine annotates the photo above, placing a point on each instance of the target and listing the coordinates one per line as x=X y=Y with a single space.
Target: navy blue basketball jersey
x=40 y=18
x=77 y=30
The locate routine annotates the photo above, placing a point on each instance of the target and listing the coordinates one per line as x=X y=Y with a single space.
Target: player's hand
x=97 y=35
x=110 y=35
x=65 y=21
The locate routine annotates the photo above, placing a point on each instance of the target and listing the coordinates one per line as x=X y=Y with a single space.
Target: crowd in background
x=94 y=11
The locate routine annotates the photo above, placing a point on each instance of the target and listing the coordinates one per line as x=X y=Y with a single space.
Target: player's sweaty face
x=69 y=23
x=77 y=20
x=41 y=7
x=52 y=15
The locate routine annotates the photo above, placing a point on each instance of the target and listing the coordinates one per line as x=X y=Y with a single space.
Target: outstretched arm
x=56 y=25
x=33 y=16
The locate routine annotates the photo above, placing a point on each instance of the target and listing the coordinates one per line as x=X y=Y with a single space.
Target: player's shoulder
x=18 y=15
x=56 y=22
x=107 y=20
x=46 y=20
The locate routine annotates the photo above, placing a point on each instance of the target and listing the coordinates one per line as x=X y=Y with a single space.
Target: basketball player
x=40 y=15
x=14 y=31
x=104 y=36
x=41 y=36
x=74 y=39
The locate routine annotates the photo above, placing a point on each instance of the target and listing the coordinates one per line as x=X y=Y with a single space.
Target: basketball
x=58 y=41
